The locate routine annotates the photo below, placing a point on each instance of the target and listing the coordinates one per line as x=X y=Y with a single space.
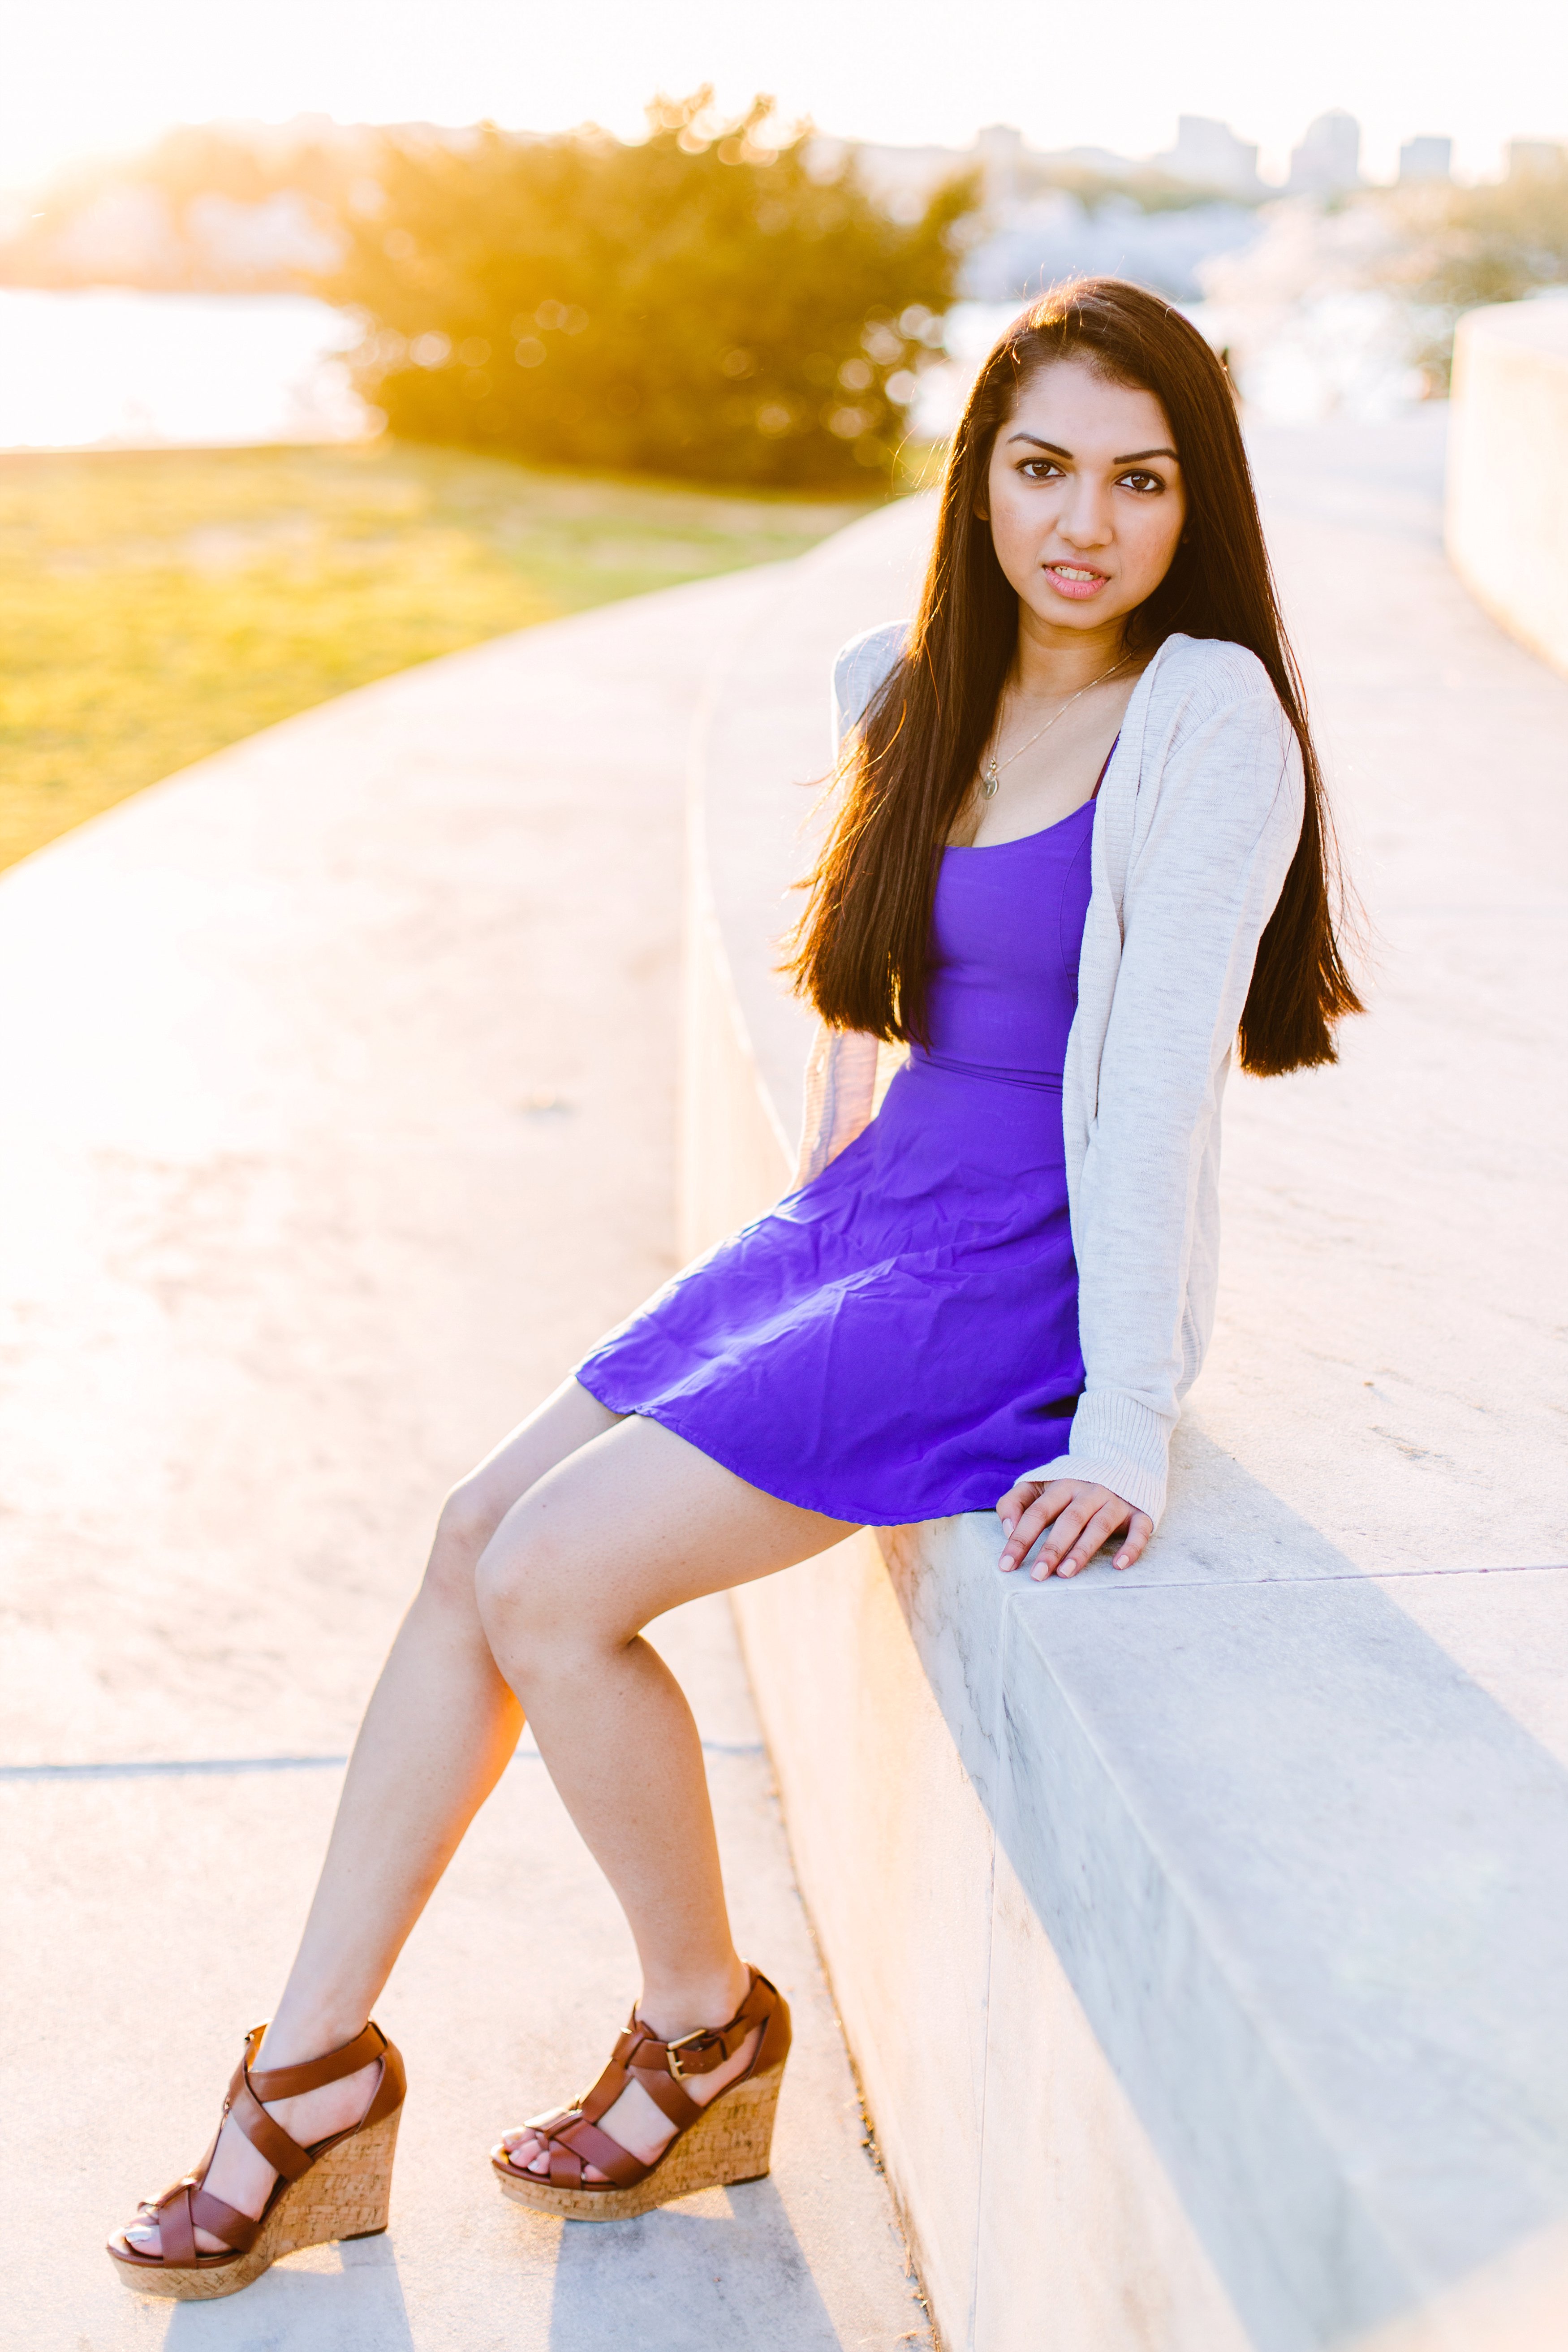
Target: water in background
x=109 y=368
x=1296 y=360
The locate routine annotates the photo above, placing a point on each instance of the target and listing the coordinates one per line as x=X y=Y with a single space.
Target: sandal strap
x=581 y=2142
x=189 y=2205
x=248 y=2089
x=288 y=2082
x=711 y=2046
x=237 y=2231
x=265 y=2135
x=637 y=2059
x=176 y=2224
x=573 y=2136
x=186 y=2208
x=675 y=2103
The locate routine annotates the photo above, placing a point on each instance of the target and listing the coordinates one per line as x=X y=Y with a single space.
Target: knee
x=534 y=1601
x=468 y=1519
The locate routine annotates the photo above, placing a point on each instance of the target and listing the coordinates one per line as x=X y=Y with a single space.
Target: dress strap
x=1109 y=757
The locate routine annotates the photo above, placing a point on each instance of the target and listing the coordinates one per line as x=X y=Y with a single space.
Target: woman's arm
x=1202 y=882
x=841 y=1095
x=841 y=1070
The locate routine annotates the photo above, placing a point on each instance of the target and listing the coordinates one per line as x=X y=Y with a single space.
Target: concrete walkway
x=337 y=1089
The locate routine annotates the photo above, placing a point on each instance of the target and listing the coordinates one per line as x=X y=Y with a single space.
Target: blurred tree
x=1496 y=241
x=704 y=304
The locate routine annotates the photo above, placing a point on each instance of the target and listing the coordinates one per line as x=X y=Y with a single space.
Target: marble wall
x=1200 y=1936
x=1507 y=484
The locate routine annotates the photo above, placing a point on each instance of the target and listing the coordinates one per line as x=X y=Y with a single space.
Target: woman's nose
x=1085 y=519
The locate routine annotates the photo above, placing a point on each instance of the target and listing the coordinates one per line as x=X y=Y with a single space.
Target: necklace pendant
x=990 y=781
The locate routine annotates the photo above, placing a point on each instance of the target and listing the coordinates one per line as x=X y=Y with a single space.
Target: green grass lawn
x=155 y=605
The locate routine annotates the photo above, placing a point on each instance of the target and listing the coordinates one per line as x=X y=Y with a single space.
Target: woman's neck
x=1052 y=662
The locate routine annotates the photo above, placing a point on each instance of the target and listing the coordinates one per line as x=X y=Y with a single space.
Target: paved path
x=1417 y=1305
x=337 y=1088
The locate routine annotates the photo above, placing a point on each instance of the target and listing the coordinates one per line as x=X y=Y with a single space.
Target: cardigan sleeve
x=841 y=1090
x=1204 y=876
x=840 y=1096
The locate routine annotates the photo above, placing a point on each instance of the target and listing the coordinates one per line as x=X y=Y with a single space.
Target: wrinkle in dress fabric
x=898 y=1339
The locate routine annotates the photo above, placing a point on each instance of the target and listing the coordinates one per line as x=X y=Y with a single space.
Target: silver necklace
x=991 y=774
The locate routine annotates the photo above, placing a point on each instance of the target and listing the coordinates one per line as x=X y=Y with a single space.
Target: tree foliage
x=1496 y=241
x=702 y=304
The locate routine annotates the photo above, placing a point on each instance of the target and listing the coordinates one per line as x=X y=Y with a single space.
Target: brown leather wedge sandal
x=337 y=2189
x=727 y=2140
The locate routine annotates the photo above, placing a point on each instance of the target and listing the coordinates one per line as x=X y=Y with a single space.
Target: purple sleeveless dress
x=898 y=1339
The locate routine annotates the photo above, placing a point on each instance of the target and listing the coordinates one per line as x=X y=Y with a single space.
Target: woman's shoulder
x=860 y=667
x=1210 y=673
x=1218 y=748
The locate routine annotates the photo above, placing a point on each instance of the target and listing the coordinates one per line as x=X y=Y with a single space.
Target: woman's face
x=1085 y=498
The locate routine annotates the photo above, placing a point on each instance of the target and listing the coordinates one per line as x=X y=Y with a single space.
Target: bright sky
x=86 y=76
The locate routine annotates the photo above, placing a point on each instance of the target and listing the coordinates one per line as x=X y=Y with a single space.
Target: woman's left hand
x=1081 y=1517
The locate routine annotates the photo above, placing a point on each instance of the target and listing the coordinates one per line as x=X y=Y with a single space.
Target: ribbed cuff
x=1118 y=1442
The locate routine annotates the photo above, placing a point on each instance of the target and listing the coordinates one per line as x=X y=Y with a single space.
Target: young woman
x=1080 y=859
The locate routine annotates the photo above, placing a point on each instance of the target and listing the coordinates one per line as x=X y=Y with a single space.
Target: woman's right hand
x=1081 y=1514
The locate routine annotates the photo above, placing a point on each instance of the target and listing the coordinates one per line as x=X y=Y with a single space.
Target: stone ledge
x=1507 y=484
x=1201 y=1935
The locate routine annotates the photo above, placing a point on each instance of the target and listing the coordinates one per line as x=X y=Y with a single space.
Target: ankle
x=301 y=2032
x=672 y=2005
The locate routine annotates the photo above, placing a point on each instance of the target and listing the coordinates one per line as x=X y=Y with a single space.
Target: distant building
x=1533 y=158
x=1424 y=159
x=1210 y=155
x=1328 y=160
x=1102 y=161
x=999 y=148
x=903 y=179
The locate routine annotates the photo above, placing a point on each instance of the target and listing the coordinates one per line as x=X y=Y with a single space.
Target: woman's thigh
x=567 y=1419
x=634 y=1523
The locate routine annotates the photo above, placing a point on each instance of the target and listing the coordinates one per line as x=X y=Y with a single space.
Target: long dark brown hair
x=860 y=952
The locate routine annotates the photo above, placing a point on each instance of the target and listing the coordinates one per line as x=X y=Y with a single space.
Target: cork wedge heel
x=728 y=2140
x=340 y=2187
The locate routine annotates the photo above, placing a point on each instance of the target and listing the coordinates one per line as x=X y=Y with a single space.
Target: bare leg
x=440 y=1728
x=631 y=1524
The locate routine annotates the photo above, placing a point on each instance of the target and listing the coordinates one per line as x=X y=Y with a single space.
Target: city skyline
x=1064 y=81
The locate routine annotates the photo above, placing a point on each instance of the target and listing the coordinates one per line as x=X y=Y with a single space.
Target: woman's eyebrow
x=1057 y=450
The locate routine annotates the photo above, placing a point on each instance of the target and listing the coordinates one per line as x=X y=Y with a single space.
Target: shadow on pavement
x=348 y=2300
x=724 y=2268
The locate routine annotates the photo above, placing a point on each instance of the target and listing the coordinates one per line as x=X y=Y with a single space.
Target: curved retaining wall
x=1508 y=468
x=1198 y=2000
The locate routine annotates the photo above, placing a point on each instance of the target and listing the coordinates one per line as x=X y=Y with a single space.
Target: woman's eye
x=1038 y=470
x=1142 y=483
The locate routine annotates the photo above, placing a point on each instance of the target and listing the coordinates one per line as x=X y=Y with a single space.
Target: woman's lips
x=1076 y=580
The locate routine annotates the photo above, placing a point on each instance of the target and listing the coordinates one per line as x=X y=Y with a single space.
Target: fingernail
x=1007 y=1527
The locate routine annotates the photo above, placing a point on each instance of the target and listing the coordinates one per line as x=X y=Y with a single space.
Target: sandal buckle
x=685 y=2042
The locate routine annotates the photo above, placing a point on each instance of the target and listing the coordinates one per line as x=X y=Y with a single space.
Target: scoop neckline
x=1015 y=841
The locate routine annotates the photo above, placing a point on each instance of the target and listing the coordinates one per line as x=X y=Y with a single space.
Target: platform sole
x=733 y=2141
x=345 y=2194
